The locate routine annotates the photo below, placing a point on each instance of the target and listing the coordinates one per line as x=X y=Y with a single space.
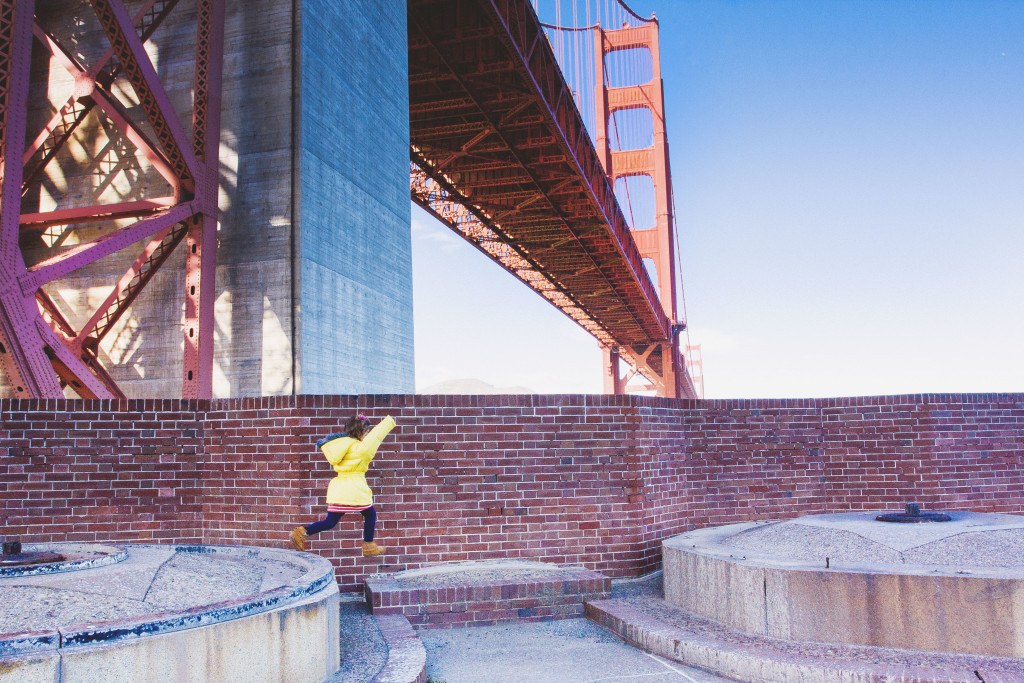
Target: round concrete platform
x=956 y=586
x=170 y=612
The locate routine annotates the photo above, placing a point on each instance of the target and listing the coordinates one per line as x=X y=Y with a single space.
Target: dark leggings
x=332 y=519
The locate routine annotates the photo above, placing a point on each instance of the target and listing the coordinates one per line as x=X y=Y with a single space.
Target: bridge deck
x=501 y=154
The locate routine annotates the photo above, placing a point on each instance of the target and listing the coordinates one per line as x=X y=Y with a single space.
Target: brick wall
x=591 y=480
x=79 y=471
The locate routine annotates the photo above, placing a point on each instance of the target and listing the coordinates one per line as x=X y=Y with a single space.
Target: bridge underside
x=500 y=154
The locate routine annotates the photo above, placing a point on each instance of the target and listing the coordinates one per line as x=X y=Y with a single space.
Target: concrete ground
x=568 y=651
x=363 y=650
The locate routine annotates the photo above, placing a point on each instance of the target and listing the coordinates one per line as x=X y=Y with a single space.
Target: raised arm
x=371 y=442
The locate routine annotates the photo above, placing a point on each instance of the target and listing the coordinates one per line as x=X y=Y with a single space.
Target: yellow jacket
x=350 y=458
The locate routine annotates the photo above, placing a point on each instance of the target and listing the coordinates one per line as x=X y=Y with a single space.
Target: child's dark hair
x=356 y=427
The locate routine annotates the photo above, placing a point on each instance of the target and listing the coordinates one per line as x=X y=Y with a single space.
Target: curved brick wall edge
x=593 y=480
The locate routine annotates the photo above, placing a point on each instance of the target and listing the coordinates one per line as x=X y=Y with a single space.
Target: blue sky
x=848 y=179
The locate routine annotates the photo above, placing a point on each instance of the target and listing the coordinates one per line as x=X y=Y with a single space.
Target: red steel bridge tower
x=622 y=68
x=656 y=243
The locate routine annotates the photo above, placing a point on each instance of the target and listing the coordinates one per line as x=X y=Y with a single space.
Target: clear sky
x=849 y=178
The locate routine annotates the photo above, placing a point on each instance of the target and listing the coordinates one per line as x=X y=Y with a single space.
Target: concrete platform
x=378 y=649
x=564 y=651
x=661 y=629
x=943 y=587
x=189 y=613
x=485 y=593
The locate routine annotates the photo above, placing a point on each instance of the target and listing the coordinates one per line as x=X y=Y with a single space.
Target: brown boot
x=371 y=549
x=298 y=537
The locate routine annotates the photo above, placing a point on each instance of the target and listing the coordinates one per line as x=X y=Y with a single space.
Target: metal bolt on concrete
x=567 y=651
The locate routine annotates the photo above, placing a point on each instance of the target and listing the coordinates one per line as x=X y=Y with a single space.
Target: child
x=350 y=453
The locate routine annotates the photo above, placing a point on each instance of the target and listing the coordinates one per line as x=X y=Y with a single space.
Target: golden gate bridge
x=543 y=143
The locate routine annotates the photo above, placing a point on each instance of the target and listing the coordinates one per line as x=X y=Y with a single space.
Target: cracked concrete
x=152 y=580
x=566 y=651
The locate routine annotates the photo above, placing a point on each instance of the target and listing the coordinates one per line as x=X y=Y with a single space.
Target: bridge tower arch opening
x=638 y=94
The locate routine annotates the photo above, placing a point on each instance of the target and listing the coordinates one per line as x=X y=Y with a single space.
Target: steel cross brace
x=140 y=73
x=22 y=350
x=39 y=350
x=98 y=94
x=68 y=117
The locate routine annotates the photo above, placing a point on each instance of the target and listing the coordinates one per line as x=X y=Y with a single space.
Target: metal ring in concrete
x=77 y=556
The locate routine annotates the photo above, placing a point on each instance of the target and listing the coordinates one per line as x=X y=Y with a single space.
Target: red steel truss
x=500 y=154
x=40 y=351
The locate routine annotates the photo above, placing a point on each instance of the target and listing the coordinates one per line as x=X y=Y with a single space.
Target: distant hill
x=471 y=386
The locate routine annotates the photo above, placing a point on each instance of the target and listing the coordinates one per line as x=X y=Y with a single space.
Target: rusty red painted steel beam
x=52 y=314
x=71 y=368
x=22 y=348
x=86 y=253
x=69 y=116
x=139 y=71
x=85 y=375
x=99 y=212
x=131 y=284
x=201 y=240
x=99 y=96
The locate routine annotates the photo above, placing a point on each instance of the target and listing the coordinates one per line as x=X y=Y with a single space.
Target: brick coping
x=10 y=405
x=479 y=573
x=464 y=598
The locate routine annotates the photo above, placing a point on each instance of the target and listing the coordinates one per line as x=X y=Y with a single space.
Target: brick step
x=662 y=629
x=485 y=593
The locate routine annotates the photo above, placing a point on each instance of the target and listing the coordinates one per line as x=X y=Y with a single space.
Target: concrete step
x=661 y=629
x=407 y=658
x=378 y=649
x=485 y=593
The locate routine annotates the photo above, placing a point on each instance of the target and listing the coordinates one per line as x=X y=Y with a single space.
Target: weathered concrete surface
x=37 y=667
x=568 y=651
x=657 y=627
x=297 y=642
x=364 y=652
x=190 y=613
x=313 y=296
x=772 y=580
